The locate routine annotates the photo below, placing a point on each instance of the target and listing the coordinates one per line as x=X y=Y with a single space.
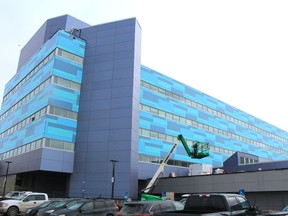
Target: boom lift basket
x=146 y=197
x=200 y=150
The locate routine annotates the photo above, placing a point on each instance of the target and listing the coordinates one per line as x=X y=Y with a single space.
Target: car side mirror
x=254 y=207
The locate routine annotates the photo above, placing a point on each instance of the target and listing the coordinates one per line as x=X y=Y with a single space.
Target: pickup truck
x=19 y=205
x=214 y=205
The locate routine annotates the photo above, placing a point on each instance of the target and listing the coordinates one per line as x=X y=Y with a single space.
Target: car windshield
x=285 y=209
x=183 y=200
x=65 y=202
x=132 y=208
x=60 y=203
x=21 y=197
x=72 y=203
x=45 y=204
x=8 y=194
x=179 y=205
x=75 y=205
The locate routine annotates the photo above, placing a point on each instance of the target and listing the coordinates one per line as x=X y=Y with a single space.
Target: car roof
x=148 y=202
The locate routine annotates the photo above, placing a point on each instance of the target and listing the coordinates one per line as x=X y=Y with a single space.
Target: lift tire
x=12 y=211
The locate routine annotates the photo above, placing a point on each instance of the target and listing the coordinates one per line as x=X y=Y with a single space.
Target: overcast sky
x=235 y=51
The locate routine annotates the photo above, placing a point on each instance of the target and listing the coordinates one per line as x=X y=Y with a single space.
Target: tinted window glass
x=132 y=208
x=30 y=198
x=155 y=208
x=99 y=204
x=244 y=203
x=87 y=206
x=167 y=207
x=40 y=197
x=233 y=203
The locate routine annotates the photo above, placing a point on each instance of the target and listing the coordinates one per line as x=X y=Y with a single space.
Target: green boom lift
x=199 y=150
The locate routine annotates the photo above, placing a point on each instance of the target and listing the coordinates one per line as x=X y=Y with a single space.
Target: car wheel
x=12 y=211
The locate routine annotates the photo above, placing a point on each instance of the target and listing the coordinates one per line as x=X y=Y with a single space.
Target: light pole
x=113 y=177
x=8 y=162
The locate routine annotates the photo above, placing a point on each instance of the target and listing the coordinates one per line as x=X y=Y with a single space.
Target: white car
x=15 y=194
x=13 y=207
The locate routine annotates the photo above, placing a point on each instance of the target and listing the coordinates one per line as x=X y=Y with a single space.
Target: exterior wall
x=233 y=164
x=39 y=109
x=169 y=108
x=109 y=111
x=49 y=28
x=268 y=189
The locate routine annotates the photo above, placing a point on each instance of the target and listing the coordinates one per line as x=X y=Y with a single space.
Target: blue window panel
x=35 y=104
x=67 y=70
x=6 y=144
x=72 y=45
x=64 y=98
x=153 y=77
x=47 y=48
x=30 y=133
x=154 y=99
x=60 y=130
x=24 y=90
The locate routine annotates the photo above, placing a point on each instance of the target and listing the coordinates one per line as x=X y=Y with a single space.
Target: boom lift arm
x=199 y=151
x=159 y=171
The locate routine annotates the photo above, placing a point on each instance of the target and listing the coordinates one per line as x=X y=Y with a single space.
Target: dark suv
x=91 y=207
x=146 y=208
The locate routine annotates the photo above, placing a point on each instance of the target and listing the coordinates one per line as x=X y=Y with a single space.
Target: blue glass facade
x=35 y=90
x=169 y=108
x=81 y=99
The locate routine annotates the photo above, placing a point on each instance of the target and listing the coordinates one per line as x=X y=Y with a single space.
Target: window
x=166 y=207
x=244 y=203
x=155 y=208
x=30 y=198
x=99 y=204
x=242 y=160
x=87 y=206
x=233 y=203
x=40 y=197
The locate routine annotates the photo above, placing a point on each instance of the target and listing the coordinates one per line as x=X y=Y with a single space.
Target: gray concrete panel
x=259 y=181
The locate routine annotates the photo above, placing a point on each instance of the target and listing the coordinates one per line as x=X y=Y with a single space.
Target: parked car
x=284 y=212
x=33 y=211
x=91 y=207
x=179 y=205
x=46 y=211
x=184 y=198
x=147 y=207
x=14 y=195
x=13 y=207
